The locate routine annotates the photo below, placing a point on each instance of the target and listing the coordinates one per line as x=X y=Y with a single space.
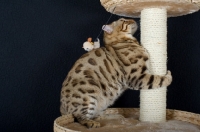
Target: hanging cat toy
x=89 y=45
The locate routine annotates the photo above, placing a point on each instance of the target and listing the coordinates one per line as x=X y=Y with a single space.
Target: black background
x=41 y=39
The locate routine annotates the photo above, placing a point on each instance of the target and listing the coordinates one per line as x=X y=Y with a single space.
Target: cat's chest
x=130 y=54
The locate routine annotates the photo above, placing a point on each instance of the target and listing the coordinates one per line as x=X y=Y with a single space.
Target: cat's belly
x=104 y=102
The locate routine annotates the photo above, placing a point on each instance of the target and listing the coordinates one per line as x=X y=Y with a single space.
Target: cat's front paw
x=168 y=78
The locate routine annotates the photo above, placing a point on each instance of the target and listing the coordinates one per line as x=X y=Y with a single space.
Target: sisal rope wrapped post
x=154 y=39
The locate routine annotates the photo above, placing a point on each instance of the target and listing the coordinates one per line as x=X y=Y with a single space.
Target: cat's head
x=120 y=30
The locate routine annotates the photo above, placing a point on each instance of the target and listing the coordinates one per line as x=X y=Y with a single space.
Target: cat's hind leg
x=85 y=116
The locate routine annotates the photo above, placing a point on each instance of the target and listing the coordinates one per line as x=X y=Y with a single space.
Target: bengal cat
x=100 y=76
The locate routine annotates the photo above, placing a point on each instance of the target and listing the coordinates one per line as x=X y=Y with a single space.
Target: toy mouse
x=89 y=45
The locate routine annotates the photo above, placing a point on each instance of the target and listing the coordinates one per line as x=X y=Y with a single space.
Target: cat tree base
x=177 y=121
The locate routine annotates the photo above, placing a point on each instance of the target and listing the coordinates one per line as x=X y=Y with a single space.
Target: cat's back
x=95 y=76
x=98 y=64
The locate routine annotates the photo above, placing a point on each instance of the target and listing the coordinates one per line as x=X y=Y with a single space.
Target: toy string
x=106 y=23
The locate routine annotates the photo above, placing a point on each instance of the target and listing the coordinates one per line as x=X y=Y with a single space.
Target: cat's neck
x=114 y=40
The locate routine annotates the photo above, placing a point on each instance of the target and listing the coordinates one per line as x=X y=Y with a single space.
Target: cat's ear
x=107 y=28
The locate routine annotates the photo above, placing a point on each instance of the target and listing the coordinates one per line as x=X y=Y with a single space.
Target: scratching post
x=153 y=15
x=154 y=39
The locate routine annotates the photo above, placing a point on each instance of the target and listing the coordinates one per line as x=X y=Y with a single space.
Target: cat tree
x=153 y=15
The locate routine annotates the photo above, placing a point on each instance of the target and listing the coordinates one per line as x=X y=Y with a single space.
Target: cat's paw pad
x=168 y=77
x=92 y=124
x=168 y=72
